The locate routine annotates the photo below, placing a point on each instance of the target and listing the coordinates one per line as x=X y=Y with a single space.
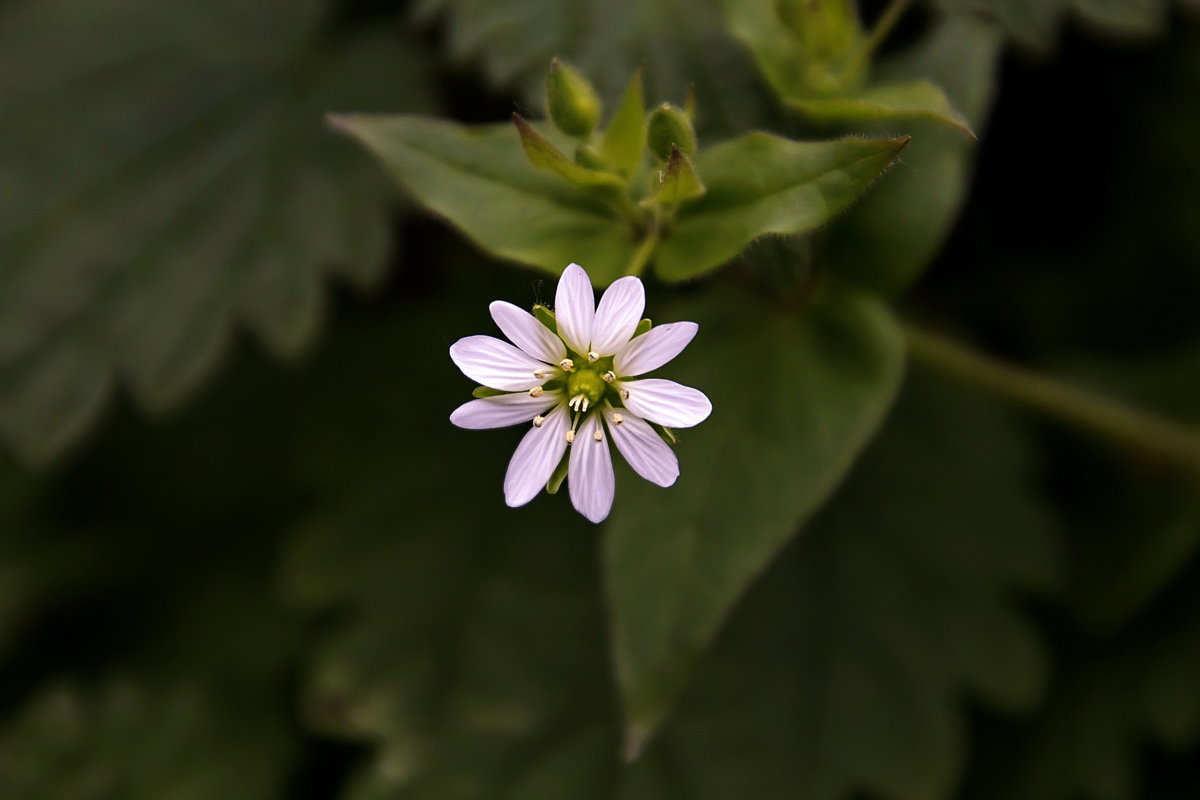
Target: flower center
x=586 y=384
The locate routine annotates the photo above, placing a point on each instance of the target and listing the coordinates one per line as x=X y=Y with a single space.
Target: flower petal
x=654 y=348
x=523 y=330
x=535 y=458
x=618 y=316
x=575 y=308
x=646 y=452
x=666 y=402
x=590 y=473
x=496 y=364
x=502 y=411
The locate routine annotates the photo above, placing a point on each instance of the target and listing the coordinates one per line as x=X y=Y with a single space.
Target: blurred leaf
x=889 y=238
x=786 y=426
x=1032 y=23
x=884 y=104
x=1086 y=743
x=623 y=144
x=608 y=40
x=141 y=742
x=1141 y=18
x=479 y=180
x=776 y=48
x=844 y=671
x=165 y=176
x=762 y=184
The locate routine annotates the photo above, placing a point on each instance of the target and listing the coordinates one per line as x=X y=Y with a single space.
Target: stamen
x=567 y=364
x=540 y=373
x=624 y=394
x=536 y=391
x=610 y=376
x=538 y=420
x=598 y=436
x=593 y=356
x=570 y=436
x=616 y=419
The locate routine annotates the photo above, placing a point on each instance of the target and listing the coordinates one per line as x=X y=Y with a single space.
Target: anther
x=593 y=356
x=567 y=364
x=624 y=394
x=570 y=436
x=617 y=419
x=598 y=436
x=536 y=391
x=610 y=376
x=538 y=420
x=540 y=373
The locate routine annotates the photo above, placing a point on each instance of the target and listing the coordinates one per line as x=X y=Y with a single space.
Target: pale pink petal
x=504 y=410
x=646 y=452
x=665 y=402
x=575 y=308
x=496 y=364
x=535 y=458
x=618 y=316
x=653 y=348
x=523 y=330
x=590 y=474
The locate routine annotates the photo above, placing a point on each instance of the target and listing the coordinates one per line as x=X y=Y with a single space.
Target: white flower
x=580 y=387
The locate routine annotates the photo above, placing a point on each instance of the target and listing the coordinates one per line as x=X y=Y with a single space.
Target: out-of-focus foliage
x=867 y=582
x=166 y=178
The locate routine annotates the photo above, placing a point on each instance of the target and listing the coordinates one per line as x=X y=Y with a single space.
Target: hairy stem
x=1130 y=427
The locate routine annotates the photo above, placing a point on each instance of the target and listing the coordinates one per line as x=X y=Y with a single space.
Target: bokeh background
x=244 y=555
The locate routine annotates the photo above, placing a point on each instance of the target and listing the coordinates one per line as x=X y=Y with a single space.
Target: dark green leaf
x=794 y=399
x=478 y=180
x=762 y=184
x=608 y=40
x=166 y=178
x=885 y=241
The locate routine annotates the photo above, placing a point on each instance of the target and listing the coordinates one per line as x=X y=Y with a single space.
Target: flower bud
x=670 y=127
x=573 y=104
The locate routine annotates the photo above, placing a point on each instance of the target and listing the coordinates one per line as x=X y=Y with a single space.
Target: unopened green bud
x=573 y=104
x=670 y=127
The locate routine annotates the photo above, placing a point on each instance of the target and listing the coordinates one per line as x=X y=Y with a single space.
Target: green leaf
x=143 y=743
x=1137 y=18
x=888 y=239
x=1032 y=23
x=786 y=426
x=207 y=195
x=478 y=180
x=776 y=49
x=544 y=155
x=608 y=40
x=762 y=184
x=902 y=101
x=1089 y=738
x=624 y=141
x=844 y=671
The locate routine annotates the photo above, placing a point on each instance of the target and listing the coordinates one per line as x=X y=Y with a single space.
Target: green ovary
x=586 y=382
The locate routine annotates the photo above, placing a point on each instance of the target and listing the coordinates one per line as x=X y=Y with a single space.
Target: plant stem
x=883 y=26
x=1130 y=427
x=646 y=249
